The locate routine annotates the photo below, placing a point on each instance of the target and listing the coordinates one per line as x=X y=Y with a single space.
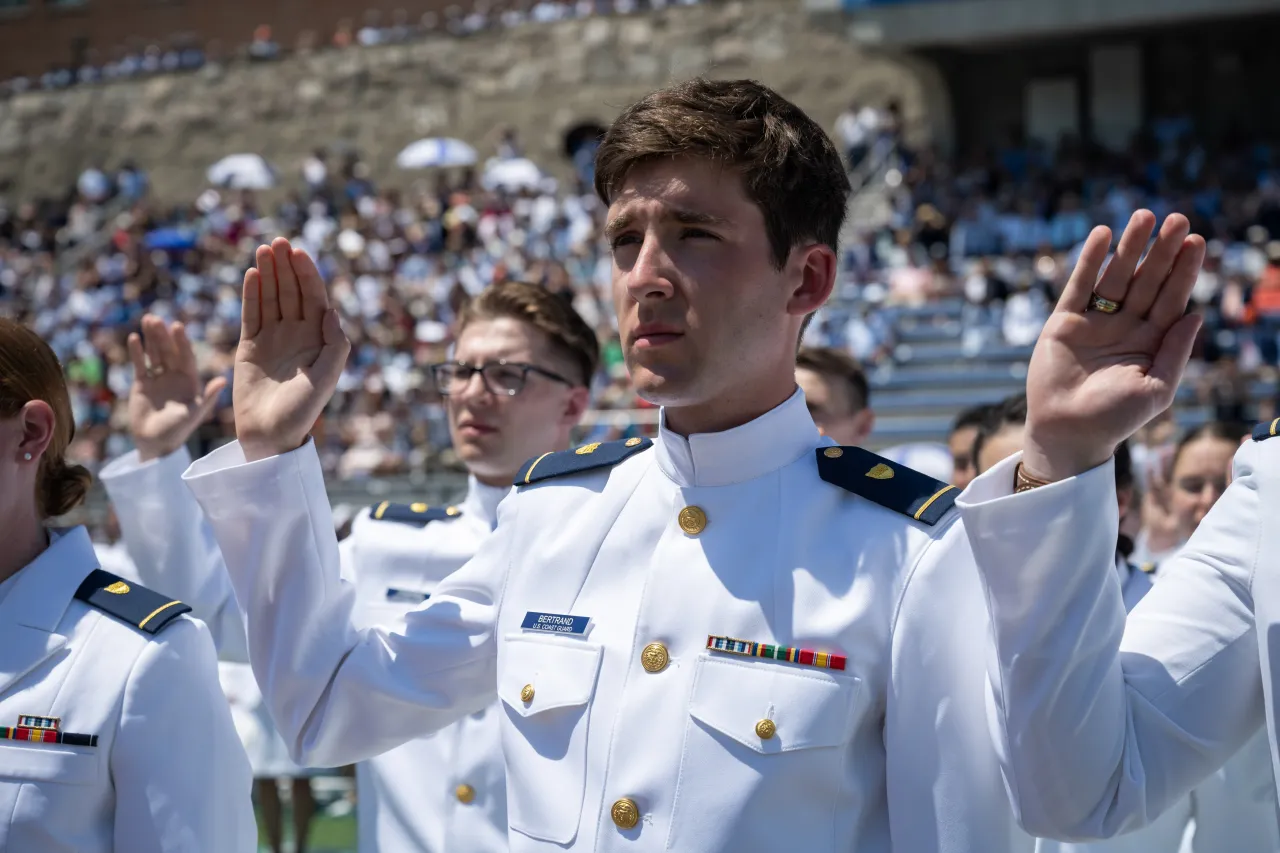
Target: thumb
x=209 y=401
x=1175 y=352
x=328 y=366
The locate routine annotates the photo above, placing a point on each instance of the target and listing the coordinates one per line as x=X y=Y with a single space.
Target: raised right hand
x=291 y=353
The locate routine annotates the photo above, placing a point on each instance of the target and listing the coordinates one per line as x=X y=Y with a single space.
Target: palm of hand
x=1092 y=373
x=162 y=405
x=273 y=376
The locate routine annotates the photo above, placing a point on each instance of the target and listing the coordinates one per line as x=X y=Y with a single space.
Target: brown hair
x=569 y=335
x=790 y=169
x=839 y=365
x=1224 y=431
x=30 y=371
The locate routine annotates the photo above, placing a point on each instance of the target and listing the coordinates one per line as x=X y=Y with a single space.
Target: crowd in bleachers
x=996 y=233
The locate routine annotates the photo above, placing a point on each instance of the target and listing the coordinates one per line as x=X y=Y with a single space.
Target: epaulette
x=584 y=458
x=893 y=486
x=416 y=514
x=130 y=602
x=1264 y=431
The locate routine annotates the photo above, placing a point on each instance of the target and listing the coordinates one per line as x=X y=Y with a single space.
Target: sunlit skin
x=494 y=434
x=1199 y=478
x=832 y=407
x=23 y=441
x=708 y=322
x=961 y=446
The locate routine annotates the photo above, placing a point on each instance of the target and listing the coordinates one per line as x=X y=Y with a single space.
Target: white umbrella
x=512 y=175
x=436 y=153
x=242 y=172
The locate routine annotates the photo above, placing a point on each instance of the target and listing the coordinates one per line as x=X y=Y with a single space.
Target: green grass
x=328 y=834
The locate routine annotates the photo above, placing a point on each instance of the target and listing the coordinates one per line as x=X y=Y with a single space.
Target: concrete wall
x=541 y=79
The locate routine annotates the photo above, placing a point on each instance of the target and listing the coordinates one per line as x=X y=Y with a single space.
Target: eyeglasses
x=502 y=378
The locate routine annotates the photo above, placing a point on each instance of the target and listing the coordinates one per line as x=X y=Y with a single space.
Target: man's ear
x=817 y=278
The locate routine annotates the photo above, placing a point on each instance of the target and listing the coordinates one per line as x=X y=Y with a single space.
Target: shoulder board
x=893 y=486
x=584 y=458
x=418 y=515
x=1267 y=430
x=130 y=602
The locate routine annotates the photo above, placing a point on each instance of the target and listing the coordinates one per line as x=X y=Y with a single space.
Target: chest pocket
x=20 y=762
x=761 y=732
x=546 y=685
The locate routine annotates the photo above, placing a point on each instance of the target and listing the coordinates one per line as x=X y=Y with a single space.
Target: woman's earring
x=26 y=456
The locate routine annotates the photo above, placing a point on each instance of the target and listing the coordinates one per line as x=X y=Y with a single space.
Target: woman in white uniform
x=114 y=735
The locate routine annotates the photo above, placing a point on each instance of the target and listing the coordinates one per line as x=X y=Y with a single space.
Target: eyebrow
x=681 y=215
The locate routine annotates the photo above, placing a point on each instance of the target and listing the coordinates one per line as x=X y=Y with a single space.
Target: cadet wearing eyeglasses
x=516 y=387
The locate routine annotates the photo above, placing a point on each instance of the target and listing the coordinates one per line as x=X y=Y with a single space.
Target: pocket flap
x=558 y=673
x=47 y=763
x=805 y=709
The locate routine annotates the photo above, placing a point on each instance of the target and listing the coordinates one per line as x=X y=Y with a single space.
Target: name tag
x=555 y=623
x=407 y=596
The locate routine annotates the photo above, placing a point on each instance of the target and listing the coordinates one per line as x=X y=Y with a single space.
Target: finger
x=165 y=346
x=251 y=305
x=185 y=358
x=151 y=329
x=290 y=300
x=1075 y=296
x=212 y=391
x=1175 y=293
x=1156 y=265
x=328 y=366
x=270 y=286
x=136 y=356
x=1174 y=353
x=315 y=298
x=1114 y=284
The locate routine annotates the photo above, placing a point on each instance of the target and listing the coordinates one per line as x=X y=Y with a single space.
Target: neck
x=499 y=481
x=732 y=409
x=503 y=479
x=25 y=539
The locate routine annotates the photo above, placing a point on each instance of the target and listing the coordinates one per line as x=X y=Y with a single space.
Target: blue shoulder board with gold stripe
x=585 y=458
x=130 y=602
x=418 y=515
x=893 y=486
x=1267 y=430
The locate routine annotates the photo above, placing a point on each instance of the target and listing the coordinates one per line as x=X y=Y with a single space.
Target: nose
x=651 y=275
x=473 y=390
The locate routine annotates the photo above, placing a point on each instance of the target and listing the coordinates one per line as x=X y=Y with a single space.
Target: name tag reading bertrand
x=556 y=623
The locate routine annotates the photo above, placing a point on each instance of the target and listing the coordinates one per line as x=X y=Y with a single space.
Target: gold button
x=654 y=657
x=625 y=813
x=465 y=793
x=526 y=693
x=833 y=453
x=633 y=441
x=692 y=520
x=765 y=729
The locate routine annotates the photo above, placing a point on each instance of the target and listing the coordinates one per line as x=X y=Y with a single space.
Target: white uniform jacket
x=623 y=731
x=134 y=750
x=442 y=793
x=1131 y=717
x=1233 y=810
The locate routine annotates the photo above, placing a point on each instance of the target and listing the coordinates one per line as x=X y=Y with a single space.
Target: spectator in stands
x=964 y=431
x=836 y=391
x=1000 y=433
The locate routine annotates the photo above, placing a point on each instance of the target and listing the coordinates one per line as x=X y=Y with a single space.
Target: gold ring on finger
x=155 y=371
x=1106 y=306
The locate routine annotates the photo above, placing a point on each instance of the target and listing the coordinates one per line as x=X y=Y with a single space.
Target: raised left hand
x=167 y=401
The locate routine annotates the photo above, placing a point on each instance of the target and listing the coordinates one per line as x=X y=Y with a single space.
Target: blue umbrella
x=170 y=239
x=436 y=153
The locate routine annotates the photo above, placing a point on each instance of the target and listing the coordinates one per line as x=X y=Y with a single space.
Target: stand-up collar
x=772 y=441
x=482 y=501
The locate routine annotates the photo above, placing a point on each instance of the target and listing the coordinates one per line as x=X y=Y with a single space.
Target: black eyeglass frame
x=471 y=370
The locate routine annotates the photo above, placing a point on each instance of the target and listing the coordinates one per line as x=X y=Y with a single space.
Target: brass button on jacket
x=465 y=793
x=625 y=813
x=654 y=658
x=526 y=693
x=692 y=520
x=766 y=729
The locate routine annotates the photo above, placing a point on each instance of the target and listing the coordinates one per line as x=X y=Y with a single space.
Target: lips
x=648 y=335
x=474 y=428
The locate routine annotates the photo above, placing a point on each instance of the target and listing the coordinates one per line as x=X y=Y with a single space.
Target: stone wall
x=540 y=79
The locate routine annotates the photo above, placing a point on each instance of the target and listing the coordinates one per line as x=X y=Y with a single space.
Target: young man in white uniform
x=518 y=384
x=739 y=637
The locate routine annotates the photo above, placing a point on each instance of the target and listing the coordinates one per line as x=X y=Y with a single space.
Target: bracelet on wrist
x=1024 y=482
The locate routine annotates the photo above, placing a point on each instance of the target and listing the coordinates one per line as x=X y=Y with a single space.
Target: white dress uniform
x=1234 y=809
x=1132 y=717
x=442 y=793
x=848 y=713
x=115 y=736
